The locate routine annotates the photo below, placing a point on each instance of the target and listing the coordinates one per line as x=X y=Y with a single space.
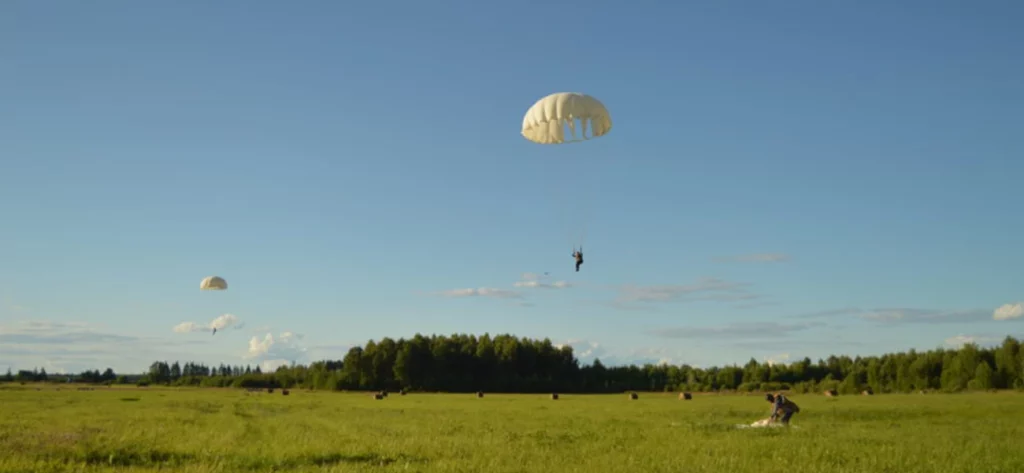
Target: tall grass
x=207 y=430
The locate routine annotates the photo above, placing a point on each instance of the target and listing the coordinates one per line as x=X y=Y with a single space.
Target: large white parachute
x=213 y=283
x=546 y=120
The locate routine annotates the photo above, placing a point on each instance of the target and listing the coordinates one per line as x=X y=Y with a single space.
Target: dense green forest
x=505 y=363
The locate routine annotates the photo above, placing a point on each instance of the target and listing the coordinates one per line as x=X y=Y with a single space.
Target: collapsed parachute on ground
x=213 y=283
x=545 y=121
x=763 y=423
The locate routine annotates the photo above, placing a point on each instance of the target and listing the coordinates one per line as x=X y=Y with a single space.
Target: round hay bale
x=685 y=396
x=284 y=392
x=270 y=390
x=831 y=393
x=402 y=392
x=633 y=396
x=867 y=392
x=384 y=392
x=554 y=396
x=378 y=396
x=479 y=394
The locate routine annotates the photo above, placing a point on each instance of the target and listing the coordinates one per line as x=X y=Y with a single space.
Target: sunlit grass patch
x=222 y=430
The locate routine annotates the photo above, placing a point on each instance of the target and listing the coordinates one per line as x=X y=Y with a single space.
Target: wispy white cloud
x=482 y=292
x=1008 y=311
x=220 y=323
x=801 y=344
x=757 y=304
x=534 y=280
x=10 y=308
x=756 y=258
x=75 y=346
x=707 y=289
x=38 y=332
x=904 y=315
x=981 y=340
x=738 y=330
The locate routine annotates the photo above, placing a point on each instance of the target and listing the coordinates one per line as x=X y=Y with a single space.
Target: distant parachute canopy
x=545 y=121
x=213 y=283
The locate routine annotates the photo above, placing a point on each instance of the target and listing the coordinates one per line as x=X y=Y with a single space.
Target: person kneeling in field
x=781 y=406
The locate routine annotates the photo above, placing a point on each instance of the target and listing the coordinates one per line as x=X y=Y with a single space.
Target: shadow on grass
x=137 y=457
x=125 y=457
x=329 y=459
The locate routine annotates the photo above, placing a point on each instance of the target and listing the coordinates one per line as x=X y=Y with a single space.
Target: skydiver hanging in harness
x=579 y=257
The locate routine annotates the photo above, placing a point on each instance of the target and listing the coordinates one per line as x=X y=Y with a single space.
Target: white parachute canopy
x=545 y=121
x=213 y=283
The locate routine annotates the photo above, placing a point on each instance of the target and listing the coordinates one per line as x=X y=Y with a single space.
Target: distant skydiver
x=579 y=257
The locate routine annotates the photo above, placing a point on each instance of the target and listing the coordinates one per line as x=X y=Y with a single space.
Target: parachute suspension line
x=576 y=184
x=546 y=123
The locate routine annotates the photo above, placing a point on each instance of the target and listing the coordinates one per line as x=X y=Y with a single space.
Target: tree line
x=505 y=363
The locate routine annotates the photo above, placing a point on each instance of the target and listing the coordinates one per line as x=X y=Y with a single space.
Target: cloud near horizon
x=586 y=351
x=779 y=359
x=220 y=323
x=981 y=340
x=1008 y=311
x=70 y=347
x=272 y=352
x=904 y=315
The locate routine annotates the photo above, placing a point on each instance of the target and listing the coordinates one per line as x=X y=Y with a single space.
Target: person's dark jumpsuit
x=579 y=259
x=781 y=406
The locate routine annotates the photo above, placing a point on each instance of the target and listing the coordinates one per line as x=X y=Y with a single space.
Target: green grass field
x=205 y=430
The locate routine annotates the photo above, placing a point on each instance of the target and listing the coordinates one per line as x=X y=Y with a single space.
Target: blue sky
x=795 y=179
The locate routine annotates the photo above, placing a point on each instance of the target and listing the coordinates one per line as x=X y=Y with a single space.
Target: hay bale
x=479 y=394
x=554 y=396
x=378 y=396
x=270 y=390
x=685 y=396
x=284 y=392
x=867 y=392
x=831 y=393
x=633 y=396
x=402 y=392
